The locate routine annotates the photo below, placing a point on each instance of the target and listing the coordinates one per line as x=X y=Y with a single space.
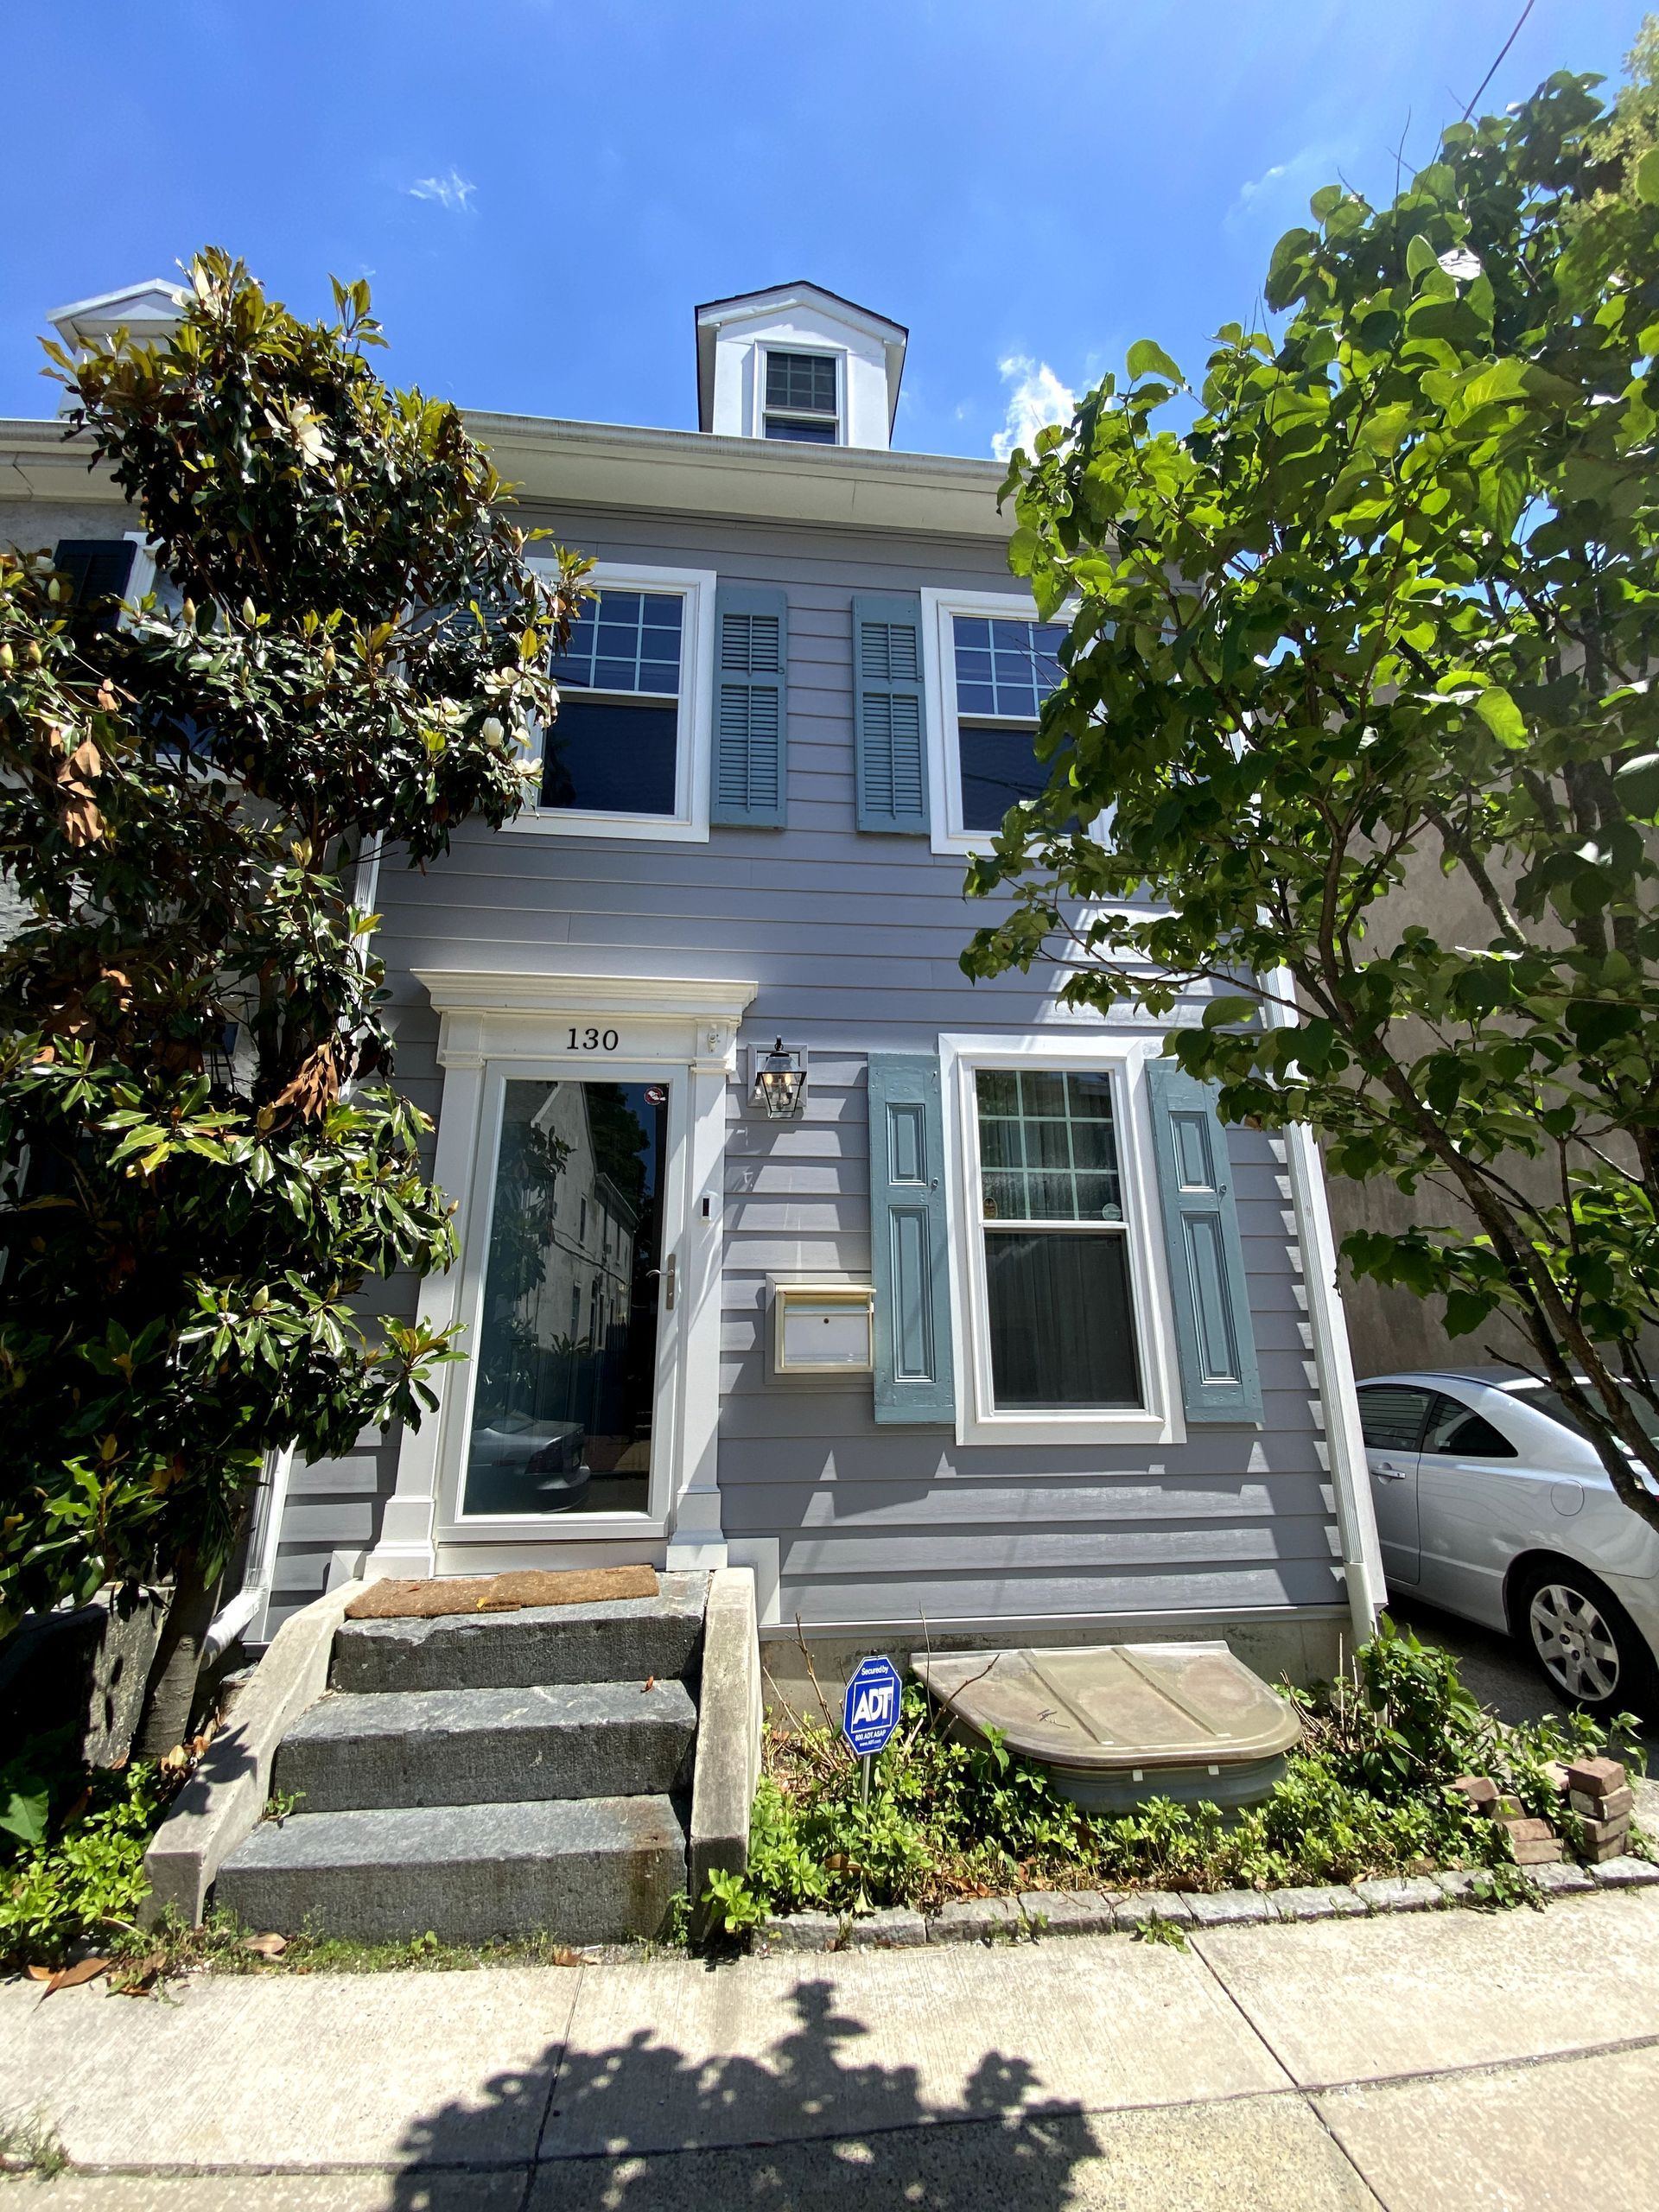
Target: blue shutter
x=100 y=569
x=914 y=1373
x=888 y=720
x=1206 y=1261
x=751 y=716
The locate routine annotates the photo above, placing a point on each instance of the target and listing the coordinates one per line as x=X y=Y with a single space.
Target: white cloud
x=449 y=191
x=1036 y=397
x=1274 y=193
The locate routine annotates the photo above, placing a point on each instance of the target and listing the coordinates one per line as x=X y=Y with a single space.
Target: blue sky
x=540 y=191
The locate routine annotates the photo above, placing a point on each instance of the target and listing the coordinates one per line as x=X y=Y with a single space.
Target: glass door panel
x=566 y=1338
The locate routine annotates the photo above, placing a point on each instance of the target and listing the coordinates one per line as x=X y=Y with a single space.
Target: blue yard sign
x=871 y=1713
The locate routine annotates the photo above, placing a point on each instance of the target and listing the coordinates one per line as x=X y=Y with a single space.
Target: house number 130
x=593 y=1040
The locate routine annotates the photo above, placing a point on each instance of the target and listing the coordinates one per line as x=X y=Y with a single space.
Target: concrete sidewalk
x=1415 y=2061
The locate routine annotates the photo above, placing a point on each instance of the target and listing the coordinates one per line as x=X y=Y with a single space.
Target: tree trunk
x=178 y=1661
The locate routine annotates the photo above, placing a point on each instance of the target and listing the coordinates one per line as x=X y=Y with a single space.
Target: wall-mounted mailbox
x=823 y=1328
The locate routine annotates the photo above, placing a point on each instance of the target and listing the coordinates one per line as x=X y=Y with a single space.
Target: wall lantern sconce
x=780 y=1084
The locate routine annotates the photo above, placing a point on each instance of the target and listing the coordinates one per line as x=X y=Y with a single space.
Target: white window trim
x=1160 y=1420
x=939 y=677
x=689 y=824
x=764 y=348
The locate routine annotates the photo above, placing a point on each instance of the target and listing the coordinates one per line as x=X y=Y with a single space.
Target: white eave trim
x=622 y=466
x=459 y=990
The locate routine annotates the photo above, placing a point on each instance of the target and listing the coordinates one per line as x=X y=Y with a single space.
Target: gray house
x=954 y=1314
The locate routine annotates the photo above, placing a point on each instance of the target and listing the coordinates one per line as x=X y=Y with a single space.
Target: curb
x=1038 y=1913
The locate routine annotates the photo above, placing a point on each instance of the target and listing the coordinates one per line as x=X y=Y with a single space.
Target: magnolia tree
x=201 y=1159
x=1378 y=599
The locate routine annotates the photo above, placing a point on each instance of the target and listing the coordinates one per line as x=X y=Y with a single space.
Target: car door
x=1392 y=1415
x=1471 y=1498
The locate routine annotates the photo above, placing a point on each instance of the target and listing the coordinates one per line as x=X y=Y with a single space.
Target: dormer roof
x=716 y=315
x=149 y=310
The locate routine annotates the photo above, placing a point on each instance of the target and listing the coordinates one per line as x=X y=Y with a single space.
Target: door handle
x=1390 y=1474
x=666 y=1271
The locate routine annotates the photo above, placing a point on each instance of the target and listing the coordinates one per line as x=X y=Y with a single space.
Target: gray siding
x=855 y=943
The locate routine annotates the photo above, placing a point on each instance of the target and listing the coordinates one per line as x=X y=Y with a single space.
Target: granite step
x=621 y=1639
x=354 y=1751
x=595 y=1869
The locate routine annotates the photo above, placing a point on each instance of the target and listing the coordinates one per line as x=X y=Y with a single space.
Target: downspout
x=1333 y=1365
x=1333 y=1361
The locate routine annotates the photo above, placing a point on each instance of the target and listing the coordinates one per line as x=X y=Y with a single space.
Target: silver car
x=1491 y=1502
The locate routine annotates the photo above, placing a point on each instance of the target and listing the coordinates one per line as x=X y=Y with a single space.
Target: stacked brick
x=1598 y=1792
x=1533 y=1842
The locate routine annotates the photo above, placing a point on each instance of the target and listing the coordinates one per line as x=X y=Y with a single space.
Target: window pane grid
x=628 y=641
x=1004 y=667
x=801 y=384
x=1048 y=1148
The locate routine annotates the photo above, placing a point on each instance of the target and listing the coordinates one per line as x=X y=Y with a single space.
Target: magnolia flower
x=494 y=736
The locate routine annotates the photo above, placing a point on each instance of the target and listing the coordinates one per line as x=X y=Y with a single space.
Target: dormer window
x=803 y=398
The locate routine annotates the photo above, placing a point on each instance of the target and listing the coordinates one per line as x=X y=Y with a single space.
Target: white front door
x=566 y=1412
x=582 y=1133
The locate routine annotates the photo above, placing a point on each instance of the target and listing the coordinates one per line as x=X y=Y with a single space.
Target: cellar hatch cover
x=1118 y=1723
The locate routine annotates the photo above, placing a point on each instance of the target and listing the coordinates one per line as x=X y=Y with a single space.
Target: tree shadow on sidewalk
x=641 y=2125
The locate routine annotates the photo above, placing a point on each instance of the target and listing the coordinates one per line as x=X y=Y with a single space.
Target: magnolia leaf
x=1647 y=177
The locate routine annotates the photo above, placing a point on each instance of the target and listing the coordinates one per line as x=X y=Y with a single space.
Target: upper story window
x=996 y=667
x=1004 y=671
x=802 y=398
x=628 y=753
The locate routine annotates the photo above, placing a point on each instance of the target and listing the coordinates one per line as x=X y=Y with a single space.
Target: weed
x=30 y=2145
x=86 y=1872
x=1366 y=1793
x=1168 y=1932
x=281 y=1802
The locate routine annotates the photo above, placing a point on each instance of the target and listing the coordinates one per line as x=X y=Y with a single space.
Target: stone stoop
x=488 y=1775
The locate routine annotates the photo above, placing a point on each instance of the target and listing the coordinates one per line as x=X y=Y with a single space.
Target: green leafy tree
x=203 y=1161
x=1377 y=600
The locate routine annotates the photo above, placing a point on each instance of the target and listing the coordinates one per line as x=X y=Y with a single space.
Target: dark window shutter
x=889 y=724
x=751 y=714
x=100 y=569
x=915 y=1377
x=1216 y=1344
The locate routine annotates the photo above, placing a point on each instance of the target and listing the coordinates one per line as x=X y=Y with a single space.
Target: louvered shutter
x=1219 y=1382
x=100 y=569
x=889 y=724
x=914 y=1369
x=751 y=719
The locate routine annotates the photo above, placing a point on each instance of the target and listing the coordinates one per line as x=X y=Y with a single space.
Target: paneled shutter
x=751 y=717
x=1206 y=1261
x=914 y=1373
x=890 y=726
x=100 y=569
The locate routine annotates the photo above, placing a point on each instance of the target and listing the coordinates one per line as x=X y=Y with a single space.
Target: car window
x=1391 y=1414
x=1551 y=1402
x=1455 y=1430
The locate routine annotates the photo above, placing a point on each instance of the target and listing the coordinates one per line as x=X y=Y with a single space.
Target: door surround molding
x=688 y=1026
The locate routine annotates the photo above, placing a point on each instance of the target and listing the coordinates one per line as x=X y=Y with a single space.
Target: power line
x=1498 y=64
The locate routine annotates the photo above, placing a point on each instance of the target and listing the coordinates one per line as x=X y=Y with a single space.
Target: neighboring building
x=953 y=1312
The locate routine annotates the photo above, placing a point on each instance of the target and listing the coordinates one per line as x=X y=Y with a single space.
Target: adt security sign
x=871 y=1713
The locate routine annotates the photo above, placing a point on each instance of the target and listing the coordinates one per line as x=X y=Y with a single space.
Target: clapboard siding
x=855 y=943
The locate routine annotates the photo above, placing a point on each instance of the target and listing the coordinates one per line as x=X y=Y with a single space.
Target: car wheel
x=1584 y=1639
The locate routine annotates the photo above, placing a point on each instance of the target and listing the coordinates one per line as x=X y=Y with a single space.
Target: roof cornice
x=550 y=462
